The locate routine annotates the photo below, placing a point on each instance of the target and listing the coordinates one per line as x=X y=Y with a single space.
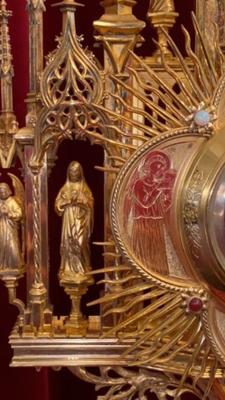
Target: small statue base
x=76 y=287
x=163 y=22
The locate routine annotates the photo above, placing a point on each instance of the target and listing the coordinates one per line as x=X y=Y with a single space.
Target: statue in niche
x=75 y=204
x=11 y=222
x=161 y=6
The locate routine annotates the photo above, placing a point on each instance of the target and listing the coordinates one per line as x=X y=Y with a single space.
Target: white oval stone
x=202 y=118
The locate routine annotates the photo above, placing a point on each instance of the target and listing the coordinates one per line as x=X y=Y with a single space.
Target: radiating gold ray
x=202 y=78
x=117 y=158
x=111 y=254
x=135 y=124
x=165 y=334
x=162 y=334
x=115 y=143
x=172 y=95
x=122 y=280
x=153 y=331
x=158 y=315
x=126 y=292
x=150 y=104
x=131 y=136
x=211 y=378
x=187 y=73
x=107 y=169
x=199 y=341
x=109 y=269
x=164 y=98
x=218 y=51
x=104 y=243
x=185 y=92
x=141 y=112
x=132 y=303
x=181 y=346
x=139 y=315
x=165 y=348
x=203 y=364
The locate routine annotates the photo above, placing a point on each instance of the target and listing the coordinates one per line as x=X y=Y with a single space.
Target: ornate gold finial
x=162 y=15
x=35 y=13
x=8 y=123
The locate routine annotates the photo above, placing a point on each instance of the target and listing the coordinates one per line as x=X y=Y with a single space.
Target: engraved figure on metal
x=148 y=199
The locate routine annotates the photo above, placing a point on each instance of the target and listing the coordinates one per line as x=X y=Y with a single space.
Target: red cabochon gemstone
x=195 y=304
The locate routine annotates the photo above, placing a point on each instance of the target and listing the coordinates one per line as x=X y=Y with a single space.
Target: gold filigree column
x=8 y=122
x=38 y=313
x=38 y=316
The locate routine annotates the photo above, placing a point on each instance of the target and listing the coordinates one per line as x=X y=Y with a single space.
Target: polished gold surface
x=75 y=203
x=160 y=121
x=140 y=382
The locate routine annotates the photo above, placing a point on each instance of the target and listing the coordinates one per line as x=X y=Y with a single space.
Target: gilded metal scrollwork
x=124 y=383
x=191 y=212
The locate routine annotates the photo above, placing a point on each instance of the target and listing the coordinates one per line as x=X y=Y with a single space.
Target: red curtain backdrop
x=26 y=384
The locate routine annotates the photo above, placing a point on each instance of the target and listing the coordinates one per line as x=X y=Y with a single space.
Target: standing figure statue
x=11 y=216
x=161 y=6
x=75 y=204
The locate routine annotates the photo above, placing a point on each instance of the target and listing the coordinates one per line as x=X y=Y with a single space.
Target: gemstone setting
x=195 y=305
x=202 y=118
